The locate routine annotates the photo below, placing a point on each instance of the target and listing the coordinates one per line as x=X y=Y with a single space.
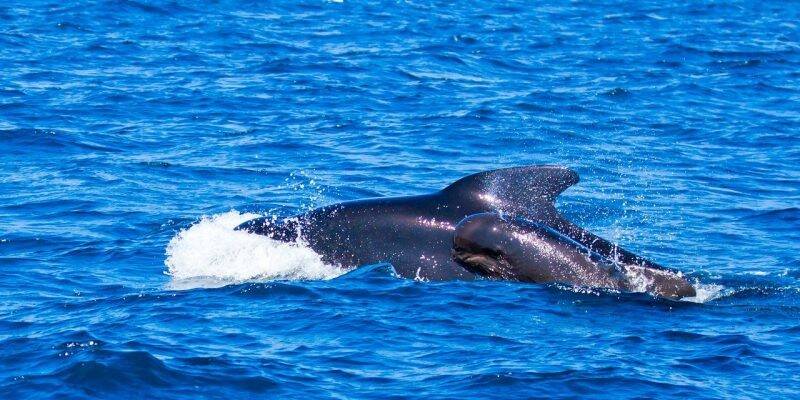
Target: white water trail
x=211 y=253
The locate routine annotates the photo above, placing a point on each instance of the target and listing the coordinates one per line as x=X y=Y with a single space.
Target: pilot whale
x=500 y=224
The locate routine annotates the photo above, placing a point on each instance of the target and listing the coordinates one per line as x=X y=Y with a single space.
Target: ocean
x=134 y=135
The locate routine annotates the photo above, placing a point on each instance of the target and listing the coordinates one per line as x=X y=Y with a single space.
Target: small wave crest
x=211 y=253
x=704 y=292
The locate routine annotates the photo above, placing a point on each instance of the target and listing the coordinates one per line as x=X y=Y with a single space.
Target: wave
x=211 y=253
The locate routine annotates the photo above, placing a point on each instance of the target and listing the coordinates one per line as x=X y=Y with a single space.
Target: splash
x=705 y=292
x=641 y=281
x=638 y=279
x=212 y=253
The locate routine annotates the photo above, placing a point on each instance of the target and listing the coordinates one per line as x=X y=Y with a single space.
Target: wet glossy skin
x=414 y=234
x=513 y=249
x=455 y=234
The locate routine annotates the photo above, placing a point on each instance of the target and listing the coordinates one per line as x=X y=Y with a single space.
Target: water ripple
x=124 y=124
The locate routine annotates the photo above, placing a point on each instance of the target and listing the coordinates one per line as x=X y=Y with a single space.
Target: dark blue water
x=133 y=135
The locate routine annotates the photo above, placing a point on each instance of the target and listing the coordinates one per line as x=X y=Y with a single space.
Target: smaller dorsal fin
x=529 y=191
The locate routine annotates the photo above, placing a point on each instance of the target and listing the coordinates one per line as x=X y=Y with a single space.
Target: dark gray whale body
x=499 y=224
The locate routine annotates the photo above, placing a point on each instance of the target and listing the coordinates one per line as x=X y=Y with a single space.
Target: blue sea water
x=135 y=134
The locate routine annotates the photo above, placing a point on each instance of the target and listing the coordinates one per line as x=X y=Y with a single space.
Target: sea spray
x=213 y=251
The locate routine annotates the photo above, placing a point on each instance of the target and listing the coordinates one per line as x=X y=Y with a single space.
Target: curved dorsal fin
x=529 y=191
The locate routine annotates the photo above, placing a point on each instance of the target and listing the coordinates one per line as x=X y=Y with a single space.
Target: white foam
x=705 y=292
x=212 y=253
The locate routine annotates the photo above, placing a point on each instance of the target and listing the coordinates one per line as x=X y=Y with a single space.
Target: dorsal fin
x=528 y=191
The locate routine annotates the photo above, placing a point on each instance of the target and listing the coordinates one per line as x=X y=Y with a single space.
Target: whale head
x=500 y=247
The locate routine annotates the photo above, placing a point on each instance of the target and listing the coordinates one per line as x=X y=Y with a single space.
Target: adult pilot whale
x=499 y=224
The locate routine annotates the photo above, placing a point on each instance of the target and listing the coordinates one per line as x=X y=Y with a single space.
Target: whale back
x=525 y=191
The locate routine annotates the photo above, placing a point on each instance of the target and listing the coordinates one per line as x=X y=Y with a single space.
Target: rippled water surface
x=134 y=135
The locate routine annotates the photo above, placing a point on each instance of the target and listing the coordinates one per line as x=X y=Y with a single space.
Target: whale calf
x=499 y=224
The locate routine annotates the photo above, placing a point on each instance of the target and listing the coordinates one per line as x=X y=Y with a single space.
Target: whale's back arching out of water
x=499 y=224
